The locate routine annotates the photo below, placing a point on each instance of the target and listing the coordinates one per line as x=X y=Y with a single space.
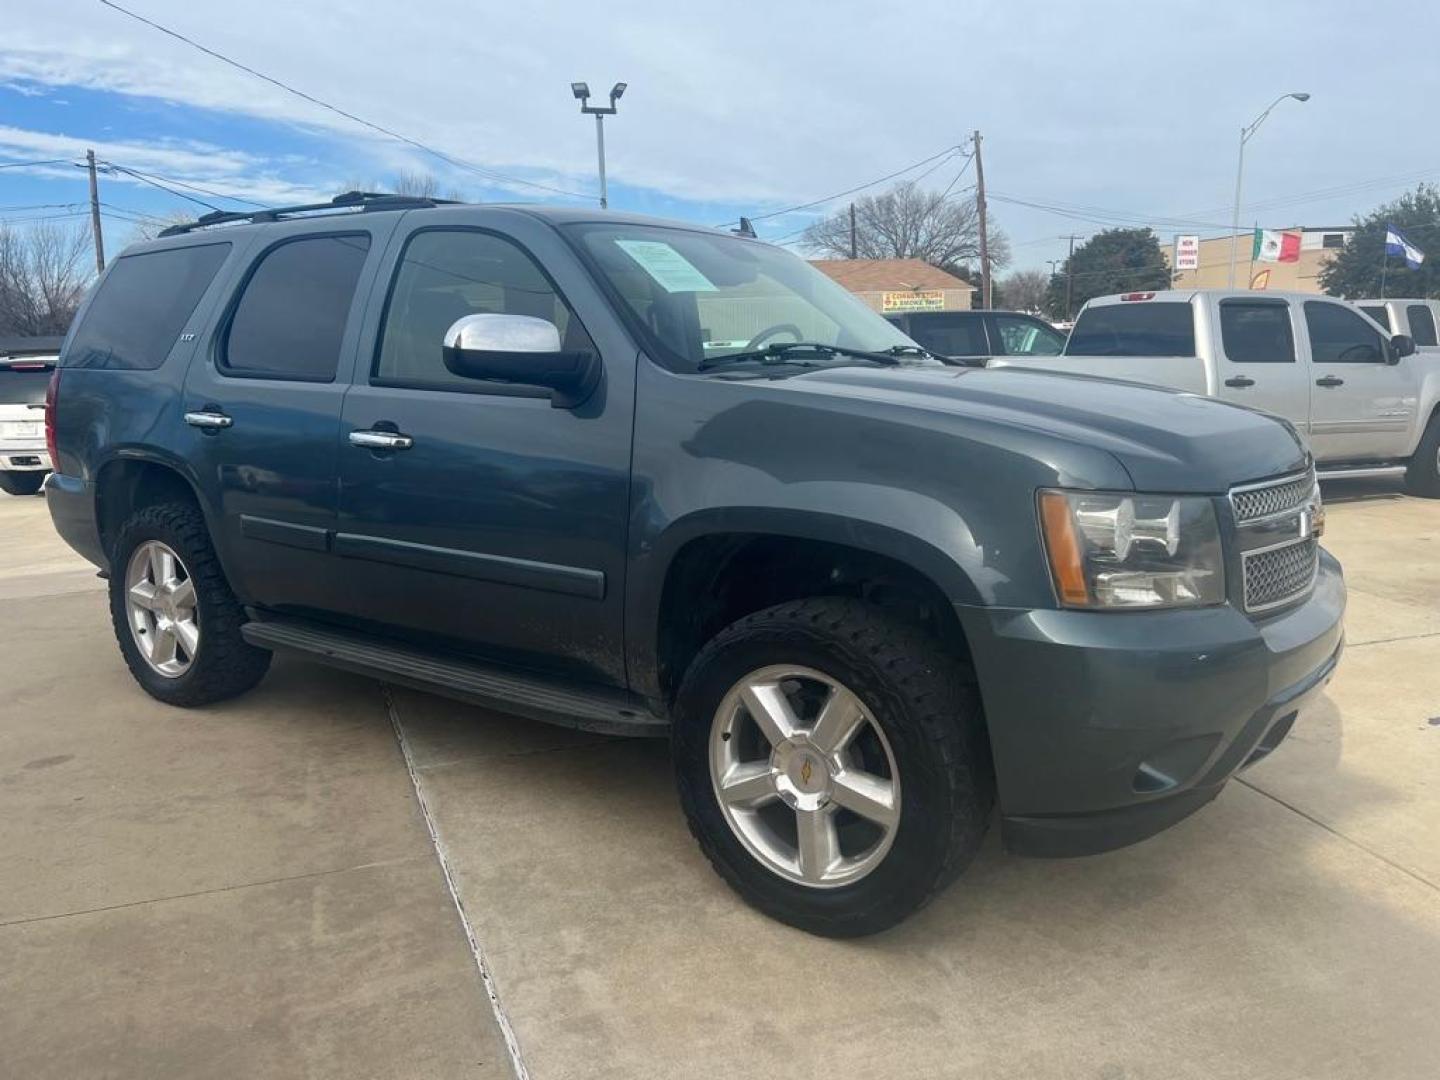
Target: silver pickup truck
x=1366 y=401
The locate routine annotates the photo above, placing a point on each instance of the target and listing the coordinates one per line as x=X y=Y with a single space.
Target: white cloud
x=762 y=103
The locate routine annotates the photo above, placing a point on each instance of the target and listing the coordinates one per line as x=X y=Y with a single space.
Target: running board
x=601 y=710
x=1361 y=472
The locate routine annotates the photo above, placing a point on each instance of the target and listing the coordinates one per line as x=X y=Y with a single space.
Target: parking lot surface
x=254 y=889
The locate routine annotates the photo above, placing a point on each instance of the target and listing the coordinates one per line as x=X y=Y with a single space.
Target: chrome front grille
x=1277 y=531
x=1254 y=502
x=1278 y=575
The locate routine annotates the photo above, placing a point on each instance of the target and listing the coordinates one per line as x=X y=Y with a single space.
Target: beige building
x=893 y=286
x=1317 y=247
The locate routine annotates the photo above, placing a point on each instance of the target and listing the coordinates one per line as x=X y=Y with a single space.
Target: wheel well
x=127 y=486
x=715 y=580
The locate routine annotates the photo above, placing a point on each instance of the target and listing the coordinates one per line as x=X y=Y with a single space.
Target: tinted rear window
x=1138 y=328
x=291 y=318
x=1257 y=332
x=1422 y=324
x=142 y=306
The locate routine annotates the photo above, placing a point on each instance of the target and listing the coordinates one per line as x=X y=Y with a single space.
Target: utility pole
x=1070 y=275
x=581 y=92
x=852 y=231
x=95 y=212
x=984 y=237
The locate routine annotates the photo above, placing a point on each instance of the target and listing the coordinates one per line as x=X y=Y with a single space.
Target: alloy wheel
x=161 y=608
x=804 y=776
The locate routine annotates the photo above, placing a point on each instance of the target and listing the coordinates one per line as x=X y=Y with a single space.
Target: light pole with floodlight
x=1245 y=134
x=582 y=94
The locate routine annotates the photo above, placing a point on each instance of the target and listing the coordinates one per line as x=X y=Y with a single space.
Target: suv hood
x=1167 y=440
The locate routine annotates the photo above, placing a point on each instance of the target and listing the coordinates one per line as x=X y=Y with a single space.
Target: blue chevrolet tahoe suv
x=646 y=478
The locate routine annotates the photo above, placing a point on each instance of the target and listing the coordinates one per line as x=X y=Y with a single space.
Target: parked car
x=972 y=337
x=1368 y=403
x=497 y=453
x=1416 y=319
x=25 y=366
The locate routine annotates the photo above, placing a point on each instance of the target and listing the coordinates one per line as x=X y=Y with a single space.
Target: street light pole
x=1245 y=135
x=581 y=91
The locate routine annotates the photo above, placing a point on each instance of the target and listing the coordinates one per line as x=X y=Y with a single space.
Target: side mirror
x=1401 y=345
x=523 y=350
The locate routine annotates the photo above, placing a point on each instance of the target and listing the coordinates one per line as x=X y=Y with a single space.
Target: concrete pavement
x=251 y=890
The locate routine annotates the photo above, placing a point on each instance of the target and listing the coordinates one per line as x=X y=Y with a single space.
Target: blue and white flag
x=1396 y=244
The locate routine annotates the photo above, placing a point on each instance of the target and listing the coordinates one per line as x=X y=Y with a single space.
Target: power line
x=188 y=186
x=459 y=163
x=157 y=184
x=947 y=153
x=31 y=164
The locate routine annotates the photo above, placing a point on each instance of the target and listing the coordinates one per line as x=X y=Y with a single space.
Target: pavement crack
x=487 y=978
x=1340 y=835
x=1387 y=640
x=206 y=892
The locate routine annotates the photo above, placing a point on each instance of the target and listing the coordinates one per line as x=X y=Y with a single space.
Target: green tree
x=1113 y=261
x=1355 y=271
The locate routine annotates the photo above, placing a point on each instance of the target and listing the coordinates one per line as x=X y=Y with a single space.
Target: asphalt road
x=329 y=878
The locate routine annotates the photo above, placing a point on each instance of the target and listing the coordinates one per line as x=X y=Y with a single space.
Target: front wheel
x=832 y=764
x=177 y=622
x=22 y=483
x=1423 y=476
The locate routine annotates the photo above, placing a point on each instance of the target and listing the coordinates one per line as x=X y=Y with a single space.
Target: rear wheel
x=1423 y=476
x=177 y=622
x=22 y=483
x=832 y=764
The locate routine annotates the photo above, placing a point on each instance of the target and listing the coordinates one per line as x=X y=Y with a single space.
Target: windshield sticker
x=671 y=270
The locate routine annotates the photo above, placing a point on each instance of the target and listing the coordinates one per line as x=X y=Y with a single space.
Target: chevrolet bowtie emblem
x=805 y=771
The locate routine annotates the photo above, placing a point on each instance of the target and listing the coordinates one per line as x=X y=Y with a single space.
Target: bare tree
x=1024 y=290
x=42 y=278
x=908 y=223
x=151 y=227
x=423 y=186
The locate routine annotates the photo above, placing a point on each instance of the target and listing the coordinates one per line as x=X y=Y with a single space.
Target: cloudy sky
x=1093 y=114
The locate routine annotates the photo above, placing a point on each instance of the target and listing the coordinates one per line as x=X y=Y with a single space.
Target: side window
x=1341 y=336
x=445 y=275
x=951 y=335
x=1422 y=324
x=1380 y=314
x=291 y=317
x=141 y=309
x=1257 y=332
x=1027 y=337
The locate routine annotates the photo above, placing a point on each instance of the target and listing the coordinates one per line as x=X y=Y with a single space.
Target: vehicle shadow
x=1353 y=491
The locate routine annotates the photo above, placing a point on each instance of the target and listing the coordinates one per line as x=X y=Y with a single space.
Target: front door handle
x=1330 y=380
x=209 y=419
x=1240 y=380
x=381 y=440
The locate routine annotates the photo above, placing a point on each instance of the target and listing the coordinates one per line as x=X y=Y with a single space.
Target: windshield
x=700 y=296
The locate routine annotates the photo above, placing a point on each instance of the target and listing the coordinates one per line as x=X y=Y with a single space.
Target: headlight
x=1132 y=551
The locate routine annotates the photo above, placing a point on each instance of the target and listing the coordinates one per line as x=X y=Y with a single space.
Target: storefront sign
x=931 y=300
x=1187 y=253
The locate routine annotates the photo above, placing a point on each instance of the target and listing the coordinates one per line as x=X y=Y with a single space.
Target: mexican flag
x=1271 y=246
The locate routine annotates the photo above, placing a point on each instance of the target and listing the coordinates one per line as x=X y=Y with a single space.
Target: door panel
x=1362 y=408
x=263 y=400
x=1256 y=360
x=500 y=529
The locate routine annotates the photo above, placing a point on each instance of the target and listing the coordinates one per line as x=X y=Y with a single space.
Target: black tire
x=1423 y=476
x=927 y=705
x=225 y=665
x=22 y=483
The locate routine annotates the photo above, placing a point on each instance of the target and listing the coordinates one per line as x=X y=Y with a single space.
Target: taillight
x=1138 y=296
x=52 y=392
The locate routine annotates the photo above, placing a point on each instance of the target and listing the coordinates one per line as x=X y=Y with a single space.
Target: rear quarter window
x=142 y=306
x=1422 y=324
x=1136 y=328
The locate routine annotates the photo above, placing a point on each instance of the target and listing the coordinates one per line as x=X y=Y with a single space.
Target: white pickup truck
x=1366 y=401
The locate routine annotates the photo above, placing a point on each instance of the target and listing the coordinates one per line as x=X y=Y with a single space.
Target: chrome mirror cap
x=503 y=334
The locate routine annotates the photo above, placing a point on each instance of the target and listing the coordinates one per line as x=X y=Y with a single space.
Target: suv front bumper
x=1107 y=727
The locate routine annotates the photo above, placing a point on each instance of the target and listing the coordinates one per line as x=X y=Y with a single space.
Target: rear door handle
x=1240 y=380
x=1330 y=380
x=381 y=440
x=209 y=419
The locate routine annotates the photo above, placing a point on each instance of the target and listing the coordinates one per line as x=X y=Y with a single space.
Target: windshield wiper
x=779 y=353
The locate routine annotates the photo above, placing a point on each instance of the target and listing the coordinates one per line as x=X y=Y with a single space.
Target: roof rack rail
x=365 y=201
